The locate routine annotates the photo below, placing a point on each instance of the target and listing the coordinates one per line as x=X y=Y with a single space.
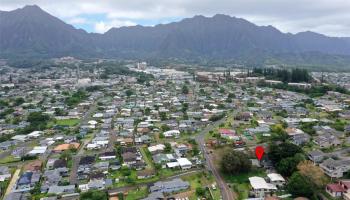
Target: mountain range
x=32 y=32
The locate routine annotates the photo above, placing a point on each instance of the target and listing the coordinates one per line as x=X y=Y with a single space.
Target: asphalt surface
x=76 y=159
x=226 y=192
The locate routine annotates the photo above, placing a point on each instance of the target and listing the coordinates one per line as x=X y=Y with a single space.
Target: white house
x=276 y=179
x=172 y=133
x=156 y=148
x=184 y=163
x=38 y=150
x=260 y=187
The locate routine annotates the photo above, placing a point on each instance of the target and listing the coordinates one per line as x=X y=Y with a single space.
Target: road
x=226 y=192
x=76 y=159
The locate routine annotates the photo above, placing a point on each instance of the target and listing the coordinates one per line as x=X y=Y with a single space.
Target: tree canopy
x=233 y=162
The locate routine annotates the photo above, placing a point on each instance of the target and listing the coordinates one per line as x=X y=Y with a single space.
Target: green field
x=68 y=122
x=9 y=159
x=137 y=194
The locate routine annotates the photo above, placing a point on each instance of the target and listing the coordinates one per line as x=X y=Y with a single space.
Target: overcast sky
x=330 y=17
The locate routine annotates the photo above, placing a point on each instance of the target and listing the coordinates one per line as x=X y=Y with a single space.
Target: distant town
x=108 y=129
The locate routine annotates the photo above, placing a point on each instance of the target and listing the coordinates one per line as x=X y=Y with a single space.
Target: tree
x=165 y=127
x=18 y=101
x=200 y=191
x=167 y=148
x=195 y=150
x=185 y=89
x=163 y=116
x=65 y=155
x=288 y=166
x=283 y=150
x=300 y=186
x=313 y=173
x=129 y=92
x=38 y=120
x=94 y=195
x=233 y=162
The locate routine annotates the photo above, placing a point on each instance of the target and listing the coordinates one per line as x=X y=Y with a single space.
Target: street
x=226 y=192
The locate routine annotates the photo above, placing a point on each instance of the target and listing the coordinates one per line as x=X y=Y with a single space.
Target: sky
x=329 y=17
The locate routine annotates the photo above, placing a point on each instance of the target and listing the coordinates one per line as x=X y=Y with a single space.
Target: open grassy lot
x=203 y=180
x=9 y=159
x=137 y=194
x=68 y=122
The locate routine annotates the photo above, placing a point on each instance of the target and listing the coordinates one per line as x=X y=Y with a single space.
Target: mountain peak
x=32 y=8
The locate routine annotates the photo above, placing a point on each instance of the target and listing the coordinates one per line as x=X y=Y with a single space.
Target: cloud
x=102 y=27
x=330 y=17
x=77 y=20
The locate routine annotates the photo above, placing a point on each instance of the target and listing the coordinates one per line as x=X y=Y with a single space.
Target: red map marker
x=259 y=152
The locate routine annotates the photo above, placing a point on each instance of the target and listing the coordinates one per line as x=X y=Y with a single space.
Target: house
x=154 y=195
x=228 y=134
x=159 y=148
x=129 y=158
x=85 y=164
x=143 y=139
x=109 y=155
x=316 y=156
x=276 y=179
x=96 y=184
x=145 y=174
x=184 y=163
x=59 y=163
x=181 y=149
x=4 y=173
x=172 y=133
x=38 y=150
x=244 y=116
x=327 y=140
x=340 y=189
x=103 y=166
x=174 y=185
x=17 y=196
x=55 y=189
x=7 y=144
x=20 y=138
x=163 y=158
x=27 y=181
x=260 y=187
x=114 y=165
x=335 y=168
x=300 y=139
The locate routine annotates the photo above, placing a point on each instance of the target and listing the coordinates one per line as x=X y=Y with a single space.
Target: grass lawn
x=147 y=157
x=9 y=159
x=137 y=194
x=68 y=122
x=199 y=180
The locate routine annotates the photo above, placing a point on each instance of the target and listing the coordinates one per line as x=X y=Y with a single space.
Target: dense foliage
x=295 y=75
x=234 y=162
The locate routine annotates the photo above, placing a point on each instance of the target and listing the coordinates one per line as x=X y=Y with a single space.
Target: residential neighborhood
x=161 y=133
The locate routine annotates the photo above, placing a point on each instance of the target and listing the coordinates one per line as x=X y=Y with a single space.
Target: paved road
x=76 y=159
x=226 y=192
